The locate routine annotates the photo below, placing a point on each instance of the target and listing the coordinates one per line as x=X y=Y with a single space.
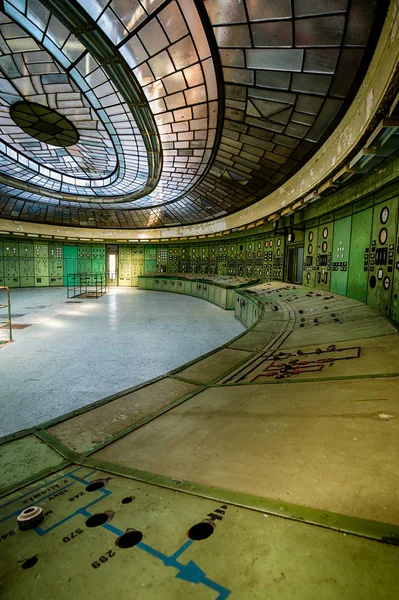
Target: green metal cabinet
x=11 y=264
x=56 y=264
x=125 y=265
x=150 y=259
x=278 y=257
x=1 y=264
x=340 y=256
x=41 y=261
x=70 y=261
x=324 y=255
x=383 y=247
x=359 y=255
x=268 y=244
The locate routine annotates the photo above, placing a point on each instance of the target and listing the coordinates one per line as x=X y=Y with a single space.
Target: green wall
x=349 y=248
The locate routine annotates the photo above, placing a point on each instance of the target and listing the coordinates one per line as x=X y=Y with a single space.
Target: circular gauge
x=373 y=281
x=212 y=256
x=232 y=255
x=220 y=249
x=232 y=248
x=387 y=283
x=278 y=252
x=240 y=254
x=258 y=245
x=175 y=250
x=183 y=251
x=266 y=243
x=249 y=246
x=241 y=247
x=308 y=276
x=225 y=249
x=249 y=254
x=310 y=248
x=325 y=232
x=384 y=215
x=380 y=274
x=291 y=237
x=212 y=249
x=271 y=244
x=383 y=236
x=310 y=236
x=170 y=251
x=279 y=242
x=324 y=247
x=258 y=253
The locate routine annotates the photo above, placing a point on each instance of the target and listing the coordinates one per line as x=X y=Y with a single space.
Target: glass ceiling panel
x=273 y=76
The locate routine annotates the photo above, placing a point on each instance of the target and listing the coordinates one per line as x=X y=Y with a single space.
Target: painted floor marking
x=189 y=572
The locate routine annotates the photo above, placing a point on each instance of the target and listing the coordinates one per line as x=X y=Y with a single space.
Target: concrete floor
x=74 y=354
x=279 y=450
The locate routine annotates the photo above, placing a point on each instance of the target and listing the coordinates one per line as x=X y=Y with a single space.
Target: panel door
x=340 y=258
x=359 y=255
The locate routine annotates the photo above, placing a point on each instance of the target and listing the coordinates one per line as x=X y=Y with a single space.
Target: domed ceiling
x=149 y=113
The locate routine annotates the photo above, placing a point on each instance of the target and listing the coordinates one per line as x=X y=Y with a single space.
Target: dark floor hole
x=127 y=500
x=201 y=531
x=129 y=539
x=95 y=485
x=97 y=520
x=29 y=562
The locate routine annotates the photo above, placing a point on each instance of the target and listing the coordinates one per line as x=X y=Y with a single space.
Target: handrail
x=7 y=305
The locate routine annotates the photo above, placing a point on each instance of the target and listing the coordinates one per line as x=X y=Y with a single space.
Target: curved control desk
x=217 y=289
x=292 y=424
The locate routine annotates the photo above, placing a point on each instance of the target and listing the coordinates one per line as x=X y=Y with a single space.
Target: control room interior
x=199 y=312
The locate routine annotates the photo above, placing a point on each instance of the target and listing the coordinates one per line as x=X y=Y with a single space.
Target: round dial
x=310 y=236
x=291 y=237
x=225 y=249
x=278 y=252
x=271 y=244
x=308 y=276
x=384 y=215
x=310 y=248
x=324 y=246
x=266 y=243
x=249 y=254
x=387 y=283
x=278 y=242
x=258 y=253
x=325 y=232
x=383 y=236
x=249 y=246
x=258 y=245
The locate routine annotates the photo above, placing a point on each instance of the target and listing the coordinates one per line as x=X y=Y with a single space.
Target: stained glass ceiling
x=168 y=111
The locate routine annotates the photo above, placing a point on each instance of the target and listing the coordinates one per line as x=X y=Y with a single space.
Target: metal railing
x=6 y=325
x=86 y=285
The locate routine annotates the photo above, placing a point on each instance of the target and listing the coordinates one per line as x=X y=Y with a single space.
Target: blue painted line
x=82 y=511
x=113 y=529
x=180 y=551
x=152 y=551
x=222 y=591
x=79 y=479
x=36 y=489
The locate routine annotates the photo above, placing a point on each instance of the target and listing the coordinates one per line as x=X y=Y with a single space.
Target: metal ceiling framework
x=184 y=114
